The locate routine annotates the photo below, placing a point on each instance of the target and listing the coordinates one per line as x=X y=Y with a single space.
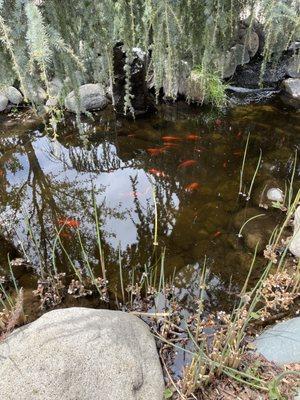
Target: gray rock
x=227 y=64
x=281 y=343
x=84 y=354
x=241 y=54
x=3 y=102
x=55 y=87
x=293 y=66
x=36 y=94
x=252 y=43
x=52 y=102
x=294 y=246
x=13 y=95
x=292 y=88
x=275 y=194
x=91 y=96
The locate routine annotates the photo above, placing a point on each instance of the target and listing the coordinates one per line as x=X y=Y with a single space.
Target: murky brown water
x=45 y=182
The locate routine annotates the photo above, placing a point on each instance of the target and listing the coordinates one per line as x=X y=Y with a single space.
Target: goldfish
x=225 y=164
x=200 y=149
x=171 y=138
x=66 y=235
x=71 y=223
x=155 y=151
x=187 y=163
x=239 y=134
x=238 y=153
x=192 y=137
x=156 y=172
x=218 y=233
x=192 y=187
x=218 y=122
x=168 y=145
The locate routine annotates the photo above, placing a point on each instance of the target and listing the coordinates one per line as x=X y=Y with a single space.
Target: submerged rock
x=257 y=231
x=91 y=97
x=294 y=246
x=275 y=194
x=3 y=102
x=81 y=353
x=281 y=343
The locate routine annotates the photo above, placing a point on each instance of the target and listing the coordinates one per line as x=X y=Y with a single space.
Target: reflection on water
x=192 y=159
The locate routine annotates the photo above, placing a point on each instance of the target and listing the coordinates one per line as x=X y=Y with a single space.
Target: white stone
x=3 y=102
x=92 y=97
x=294 y=246
x=13 y=95
x=81 y=354
x=275 y=194
x=292 y=87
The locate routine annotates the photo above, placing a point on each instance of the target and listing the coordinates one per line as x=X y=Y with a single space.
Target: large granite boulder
x=281 y=343
x=91 y=97
x=81 y=354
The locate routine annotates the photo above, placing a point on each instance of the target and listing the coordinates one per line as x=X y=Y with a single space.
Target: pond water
x=192 y=158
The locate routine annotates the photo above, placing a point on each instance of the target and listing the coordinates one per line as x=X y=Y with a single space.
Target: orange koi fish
x=155 y=151
x=66 y=235
x=192 y=187
x=71 y=223
x=168 y=145
x=218 y=233
x=171 y=138
x=187 y=163
x=156 y=172
x=200 y=149
x=192 y=137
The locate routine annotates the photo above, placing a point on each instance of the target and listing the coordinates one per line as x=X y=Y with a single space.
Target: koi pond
x=188 y=159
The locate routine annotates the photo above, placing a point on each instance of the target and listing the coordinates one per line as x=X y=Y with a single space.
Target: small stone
x=275 y=194
x=3 y=102
x=52 y=102
x=92 y=97
x=281 y=343
x=13 y=95
x=294 y=246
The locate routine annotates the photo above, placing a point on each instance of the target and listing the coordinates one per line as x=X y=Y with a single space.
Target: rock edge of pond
x=81 y=353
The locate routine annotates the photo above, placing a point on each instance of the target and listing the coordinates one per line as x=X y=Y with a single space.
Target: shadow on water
x=193 y=159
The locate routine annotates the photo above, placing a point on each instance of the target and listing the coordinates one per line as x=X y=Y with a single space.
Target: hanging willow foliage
x=74 y=39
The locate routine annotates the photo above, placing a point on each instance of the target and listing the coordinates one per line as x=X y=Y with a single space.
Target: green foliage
x=40 y=39
x=206 y=85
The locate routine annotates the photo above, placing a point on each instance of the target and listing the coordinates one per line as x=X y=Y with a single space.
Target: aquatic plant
x=39 y=39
